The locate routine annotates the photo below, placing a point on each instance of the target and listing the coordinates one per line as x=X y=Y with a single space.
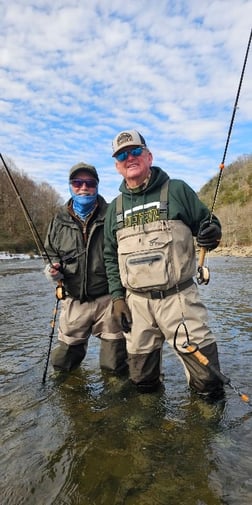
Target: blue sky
x=73 y=73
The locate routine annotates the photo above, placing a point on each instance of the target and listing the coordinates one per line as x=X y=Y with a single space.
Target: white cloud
x=73 y=74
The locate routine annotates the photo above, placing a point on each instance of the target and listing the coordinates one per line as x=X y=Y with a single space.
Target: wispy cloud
x=73 y=74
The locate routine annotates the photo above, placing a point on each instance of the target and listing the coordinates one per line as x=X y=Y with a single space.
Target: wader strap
x=119 y=212
x=159 y=295
x=163 y=201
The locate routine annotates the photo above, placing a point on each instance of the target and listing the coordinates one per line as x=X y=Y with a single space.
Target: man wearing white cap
x=150 y=262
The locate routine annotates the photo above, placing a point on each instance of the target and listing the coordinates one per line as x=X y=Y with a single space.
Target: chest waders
x=149 y=272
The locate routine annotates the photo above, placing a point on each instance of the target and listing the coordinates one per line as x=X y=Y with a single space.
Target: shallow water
x=89 y=439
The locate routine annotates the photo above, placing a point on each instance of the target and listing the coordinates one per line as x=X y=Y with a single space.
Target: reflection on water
x=88 y=438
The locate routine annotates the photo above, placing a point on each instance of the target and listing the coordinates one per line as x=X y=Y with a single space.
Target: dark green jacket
x=183 y=205
x=82 y=260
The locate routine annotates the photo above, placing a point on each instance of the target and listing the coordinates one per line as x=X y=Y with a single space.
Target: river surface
x=87 y=438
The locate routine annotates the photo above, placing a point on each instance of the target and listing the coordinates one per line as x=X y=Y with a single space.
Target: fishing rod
x=53 y=324
x=203 y=275
x=60 y=293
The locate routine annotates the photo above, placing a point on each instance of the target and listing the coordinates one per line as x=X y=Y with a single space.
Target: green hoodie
x=143 y=206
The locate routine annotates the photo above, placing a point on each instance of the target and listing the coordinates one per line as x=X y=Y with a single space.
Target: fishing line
x=203 y=275
x=60 y=292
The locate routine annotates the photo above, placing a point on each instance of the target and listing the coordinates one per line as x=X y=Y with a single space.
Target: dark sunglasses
x=135 y=151
x=77 y=183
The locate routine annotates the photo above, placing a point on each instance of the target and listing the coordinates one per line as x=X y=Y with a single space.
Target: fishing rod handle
x=202 y=254
x=204 y=361
x=200 y=357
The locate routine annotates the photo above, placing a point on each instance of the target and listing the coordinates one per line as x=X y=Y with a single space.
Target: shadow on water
x=89 y=438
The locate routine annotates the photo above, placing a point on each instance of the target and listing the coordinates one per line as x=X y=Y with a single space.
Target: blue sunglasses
x=135 y=151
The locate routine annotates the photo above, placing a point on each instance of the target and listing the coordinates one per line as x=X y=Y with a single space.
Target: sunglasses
x=77 y=183
x=135 y=151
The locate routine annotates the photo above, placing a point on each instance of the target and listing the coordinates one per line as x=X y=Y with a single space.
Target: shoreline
x=237 y=251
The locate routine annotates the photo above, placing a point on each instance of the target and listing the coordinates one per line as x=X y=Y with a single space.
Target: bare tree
x=41 y=202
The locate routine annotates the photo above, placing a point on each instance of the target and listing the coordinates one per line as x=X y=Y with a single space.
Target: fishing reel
x=203 y=275
x=60 y=291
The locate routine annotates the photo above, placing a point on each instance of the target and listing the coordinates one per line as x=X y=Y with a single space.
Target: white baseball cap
x=127 y=138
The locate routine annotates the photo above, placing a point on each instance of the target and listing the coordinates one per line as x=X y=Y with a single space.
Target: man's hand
x=52 y=272
x=209 y=235
x=122 y=314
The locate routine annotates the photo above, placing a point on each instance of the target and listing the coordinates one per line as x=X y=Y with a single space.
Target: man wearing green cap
x=75 y=244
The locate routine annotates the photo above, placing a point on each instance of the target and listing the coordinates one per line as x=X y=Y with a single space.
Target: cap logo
x=123 y=138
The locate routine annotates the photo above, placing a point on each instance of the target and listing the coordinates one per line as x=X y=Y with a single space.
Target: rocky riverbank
x=238 y=251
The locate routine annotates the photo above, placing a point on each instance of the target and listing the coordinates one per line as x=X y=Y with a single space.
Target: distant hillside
x=41 y=202
x=234 y=201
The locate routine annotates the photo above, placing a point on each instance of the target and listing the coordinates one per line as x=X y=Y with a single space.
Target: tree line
x=234 y=201
x=41 y=202
x=233 y=206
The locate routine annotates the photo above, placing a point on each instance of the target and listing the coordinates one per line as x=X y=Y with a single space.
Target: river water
x=89 y=439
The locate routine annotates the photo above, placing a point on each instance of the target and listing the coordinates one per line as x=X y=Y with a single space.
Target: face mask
x=83 y=204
